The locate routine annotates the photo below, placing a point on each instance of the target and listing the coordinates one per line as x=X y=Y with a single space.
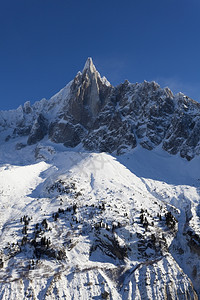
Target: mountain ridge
x=89 y=110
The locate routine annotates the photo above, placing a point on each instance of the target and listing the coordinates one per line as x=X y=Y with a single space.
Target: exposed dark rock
x=19 y=146
x=22 y=130
x=38 y=131
x=68 y=134
x=1 y=263
x=110 y=246
x=7 y=138
x=27 y=107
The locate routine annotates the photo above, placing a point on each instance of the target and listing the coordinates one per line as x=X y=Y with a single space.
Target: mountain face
x=94 y=203
x=89 y=110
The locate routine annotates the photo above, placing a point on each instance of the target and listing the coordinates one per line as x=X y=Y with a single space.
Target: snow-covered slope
x=78 y=225
x=100 y=194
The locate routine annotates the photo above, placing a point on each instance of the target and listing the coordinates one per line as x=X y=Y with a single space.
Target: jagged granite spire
x=90 y=92
x=89 y=66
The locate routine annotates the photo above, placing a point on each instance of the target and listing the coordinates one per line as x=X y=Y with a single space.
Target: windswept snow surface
x=89 y=207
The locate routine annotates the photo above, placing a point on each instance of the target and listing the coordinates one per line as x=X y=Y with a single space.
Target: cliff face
x=89 y=110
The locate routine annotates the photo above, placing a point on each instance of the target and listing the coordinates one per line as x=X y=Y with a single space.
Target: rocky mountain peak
x=89 y=93
x=90 y=71
x=89 y=110
x=89 y=66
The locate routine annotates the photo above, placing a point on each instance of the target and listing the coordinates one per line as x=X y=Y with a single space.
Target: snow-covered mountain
x=89 y=110
x=100 y=194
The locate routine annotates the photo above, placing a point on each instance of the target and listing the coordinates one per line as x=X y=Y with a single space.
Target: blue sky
x=44 y=43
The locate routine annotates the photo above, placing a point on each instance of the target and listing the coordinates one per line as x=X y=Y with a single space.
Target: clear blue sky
x=43 y=43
